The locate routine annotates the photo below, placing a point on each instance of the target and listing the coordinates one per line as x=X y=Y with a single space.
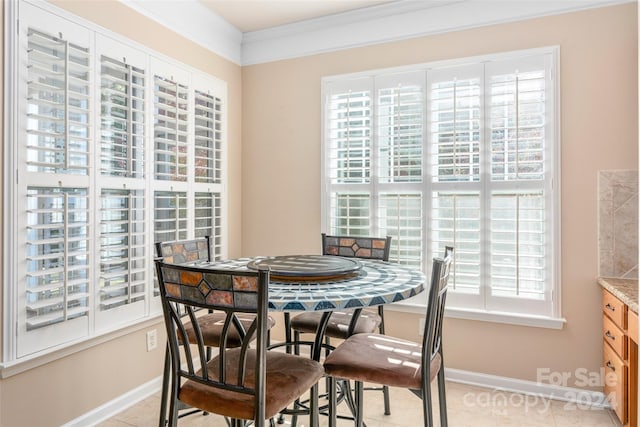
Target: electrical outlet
x=421 y=326
x=152 y=340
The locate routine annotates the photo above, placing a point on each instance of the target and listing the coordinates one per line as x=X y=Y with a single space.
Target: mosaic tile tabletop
x=376 y=283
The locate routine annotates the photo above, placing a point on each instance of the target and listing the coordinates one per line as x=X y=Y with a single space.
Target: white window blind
x=114 y=148
x=458 y=153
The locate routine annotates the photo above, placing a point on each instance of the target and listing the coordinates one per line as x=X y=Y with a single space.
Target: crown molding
x=383 y=23
x=396 y=21
x=194 y=21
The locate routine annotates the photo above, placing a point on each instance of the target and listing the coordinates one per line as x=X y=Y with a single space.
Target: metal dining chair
x=343 y=324
x=193 y=251
x=381 y=359
x=240 y=382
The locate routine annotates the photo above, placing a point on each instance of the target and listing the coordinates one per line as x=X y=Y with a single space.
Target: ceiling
x=253 y=15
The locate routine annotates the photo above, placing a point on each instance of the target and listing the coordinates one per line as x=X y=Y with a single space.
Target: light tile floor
x=467 y=406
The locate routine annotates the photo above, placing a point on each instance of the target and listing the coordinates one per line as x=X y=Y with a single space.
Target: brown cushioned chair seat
x=288 y=377
x=338 y=323
x=379 y=359
x=211 y=326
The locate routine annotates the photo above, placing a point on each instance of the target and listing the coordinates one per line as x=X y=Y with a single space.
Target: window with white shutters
x=114 y=148
x=458 y=153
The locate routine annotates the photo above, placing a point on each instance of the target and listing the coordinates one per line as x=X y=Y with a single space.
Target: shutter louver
x=57 y=242
x=517 y=126
x=400 y=133
x=208 y=218
x=456 y=220
x=518 y=244
x=170 y=209
x=122 y=250
x=455 y=129
x=170 y=129
x=351 y=214
x=58 y=88
x=208 y=138
x=122 y=119
x=400 y=216
x=349 y=151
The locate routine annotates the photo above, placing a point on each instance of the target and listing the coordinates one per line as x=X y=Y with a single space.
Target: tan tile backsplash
x=618 y=223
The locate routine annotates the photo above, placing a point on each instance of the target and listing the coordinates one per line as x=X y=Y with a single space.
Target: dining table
x=328 y=283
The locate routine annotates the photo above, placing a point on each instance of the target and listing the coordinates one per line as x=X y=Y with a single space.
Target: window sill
x=15 y=367
x=486 y=316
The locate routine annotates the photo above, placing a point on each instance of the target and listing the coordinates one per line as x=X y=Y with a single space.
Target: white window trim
x=418 y=303
x=10 y=364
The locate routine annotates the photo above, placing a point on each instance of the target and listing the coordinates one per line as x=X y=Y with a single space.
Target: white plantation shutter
x=460 y=155
x=399 y=116
x=208 y=220
x=519 y=95
x=54 y=227
x=122 y=118
x=389 y=202
x=351 y=213
x=456 y=219
x=114 y=148
x=208 y=138
x=349 y=117
x=58 y=104
x=57 y=276
x=401 y=216
x=456 y=117
x=123 y=266
x=170 y=129
x=170 y=209
x=518 y=244
x=122 y=290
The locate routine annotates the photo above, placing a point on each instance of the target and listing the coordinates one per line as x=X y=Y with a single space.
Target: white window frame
x=100 y=326
x=547 y=315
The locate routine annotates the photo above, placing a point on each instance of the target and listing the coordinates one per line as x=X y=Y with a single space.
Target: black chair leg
x=165 y=389
x=427 y=408
x=442 y=399
x=359 y=388
x=332 y=391
x=387 y=405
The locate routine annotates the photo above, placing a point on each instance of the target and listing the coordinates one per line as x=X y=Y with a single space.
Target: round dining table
x=304 y=289
x=327 y=283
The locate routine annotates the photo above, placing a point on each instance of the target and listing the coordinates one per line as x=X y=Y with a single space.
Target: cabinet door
x=614 y=336
x=615 y=309
x=615 y=382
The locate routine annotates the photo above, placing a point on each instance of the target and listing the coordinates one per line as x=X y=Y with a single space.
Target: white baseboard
x=576 y=396
x=117 y=405
x=580 y=397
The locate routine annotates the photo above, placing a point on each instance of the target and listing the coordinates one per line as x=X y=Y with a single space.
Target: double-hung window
x=111 y=148
x=461 y=153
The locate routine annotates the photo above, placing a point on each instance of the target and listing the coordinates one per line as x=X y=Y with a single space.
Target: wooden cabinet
x=620 y=357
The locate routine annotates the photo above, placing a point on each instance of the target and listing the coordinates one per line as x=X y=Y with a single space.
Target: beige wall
x=281 y=168
x=280 y=108
x=63 y=390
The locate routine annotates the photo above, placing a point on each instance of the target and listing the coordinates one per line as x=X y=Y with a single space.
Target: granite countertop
x=624 y=289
